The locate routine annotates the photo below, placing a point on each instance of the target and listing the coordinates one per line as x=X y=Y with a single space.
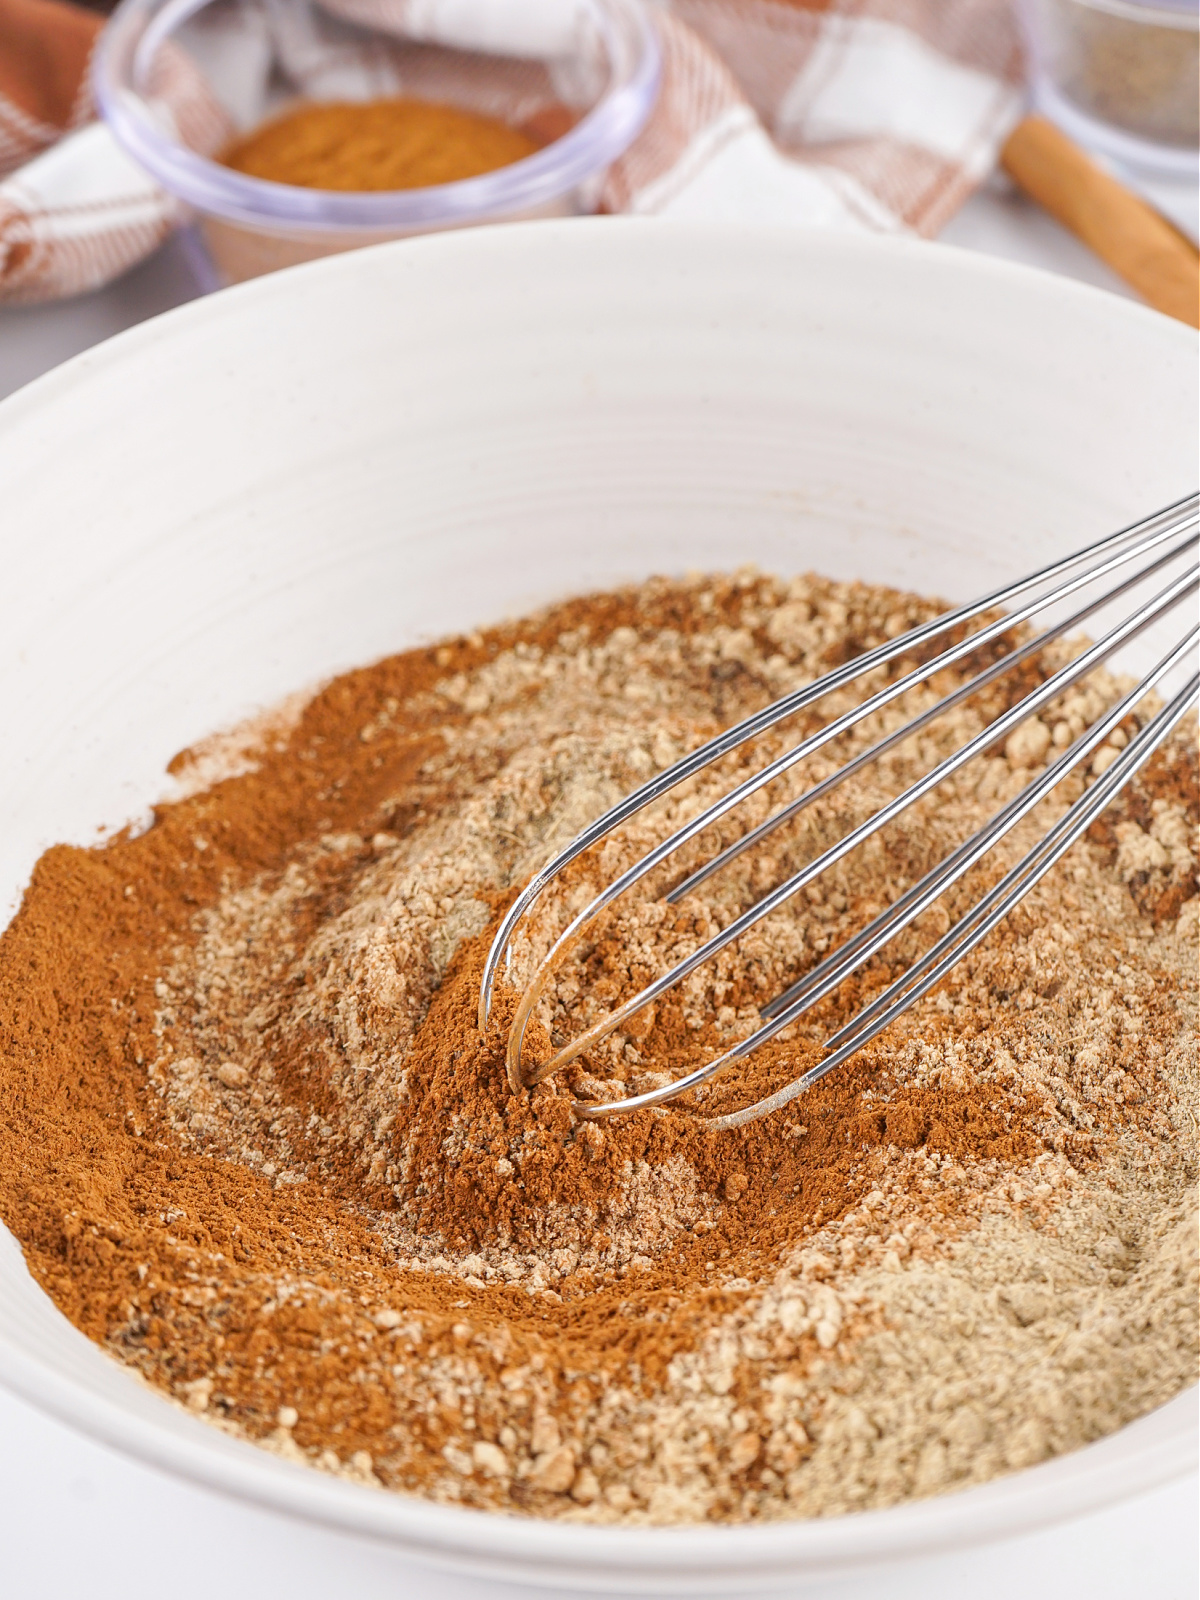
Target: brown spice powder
x=256 y=1148
x=361 y=146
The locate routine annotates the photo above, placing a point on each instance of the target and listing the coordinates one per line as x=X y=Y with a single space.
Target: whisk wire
x=818 y=984
x=990 y=912
x=1153 y=542
x=843 y=724
x=1161 y=525
x=1029 y=706
x=998 y=669
x=804 y=995
x=973 y=849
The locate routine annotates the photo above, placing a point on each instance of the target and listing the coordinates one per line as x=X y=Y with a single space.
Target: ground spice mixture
x=377 y=144
x=254 y=1146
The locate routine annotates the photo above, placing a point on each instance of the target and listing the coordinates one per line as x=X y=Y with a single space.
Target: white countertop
x=78 y=1519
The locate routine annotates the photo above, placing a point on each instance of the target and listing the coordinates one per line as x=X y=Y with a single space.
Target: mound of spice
x=255 y=1147
x=377 y=144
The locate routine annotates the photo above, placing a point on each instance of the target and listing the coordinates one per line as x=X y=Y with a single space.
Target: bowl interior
x=308 y=472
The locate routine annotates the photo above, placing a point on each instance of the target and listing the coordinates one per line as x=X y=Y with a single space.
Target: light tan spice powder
x=290 y=1185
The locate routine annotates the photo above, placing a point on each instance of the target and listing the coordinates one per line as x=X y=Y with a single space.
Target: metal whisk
x=1110 y=568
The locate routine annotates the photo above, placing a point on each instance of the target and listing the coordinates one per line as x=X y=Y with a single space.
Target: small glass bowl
x=178 y=79
x=1120 y=76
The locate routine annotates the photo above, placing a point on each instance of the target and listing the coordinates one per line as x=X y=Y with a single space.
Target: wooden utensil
x=1123 y=230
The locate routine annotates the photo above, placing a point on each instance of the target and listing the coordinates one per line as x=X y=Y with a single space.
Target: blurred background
x=161 y=149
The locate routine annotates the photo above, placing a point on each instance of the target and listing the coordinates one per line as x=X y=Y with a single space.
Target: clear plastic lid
x=177 y=79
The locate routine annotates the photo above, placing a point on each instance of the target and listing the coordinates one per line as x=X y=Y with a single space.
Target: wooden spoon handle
x=1139 y=244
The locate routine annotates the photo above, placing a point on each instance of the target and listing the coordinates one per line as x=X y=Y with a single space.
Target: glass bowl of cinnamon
x=294 y=129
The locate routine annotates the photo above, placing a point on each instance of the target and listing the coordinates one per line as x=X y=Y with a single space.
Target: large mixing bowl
x=300 y=475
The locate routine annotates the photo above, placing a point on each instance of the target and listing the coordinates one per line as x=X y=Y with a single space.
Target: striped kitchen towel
x=874 y=114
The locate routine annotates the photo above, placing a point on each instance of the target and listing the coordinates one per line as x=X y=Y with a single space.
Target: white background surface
x=77 y=1519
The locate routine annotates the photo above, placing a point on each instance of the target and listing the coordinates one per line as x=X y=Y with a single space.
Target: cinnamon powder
x=255 y=1147
x=398 y=143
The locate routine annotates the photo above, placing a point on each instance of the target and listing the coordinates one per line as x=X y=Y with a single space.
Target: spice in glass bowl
x=580 y=95
x=398 y=143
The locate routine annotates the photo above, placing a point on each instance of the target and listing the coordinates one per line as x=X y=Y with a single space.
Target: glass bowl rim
x=603 y=134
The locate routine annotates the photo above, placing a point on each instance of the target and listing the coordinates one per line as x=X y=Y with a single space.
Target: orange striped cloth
x=876 y=114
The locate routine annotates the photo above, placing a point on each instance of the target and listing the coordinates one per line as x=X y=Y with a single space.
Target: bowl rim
x=604 y=133
x=1155 y=1449
x=690 y=1559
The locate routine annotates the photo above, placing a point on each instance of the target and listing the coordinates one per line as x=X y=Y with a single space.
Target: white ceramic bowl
x=248 y=494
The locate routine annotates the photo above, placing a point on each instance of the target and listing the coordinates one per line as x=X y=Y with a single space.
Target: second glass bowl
x=1121 y=77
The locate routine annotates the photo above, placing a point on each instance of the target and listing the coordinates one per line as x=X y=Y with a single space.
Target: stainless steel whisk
x=1117 y=564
